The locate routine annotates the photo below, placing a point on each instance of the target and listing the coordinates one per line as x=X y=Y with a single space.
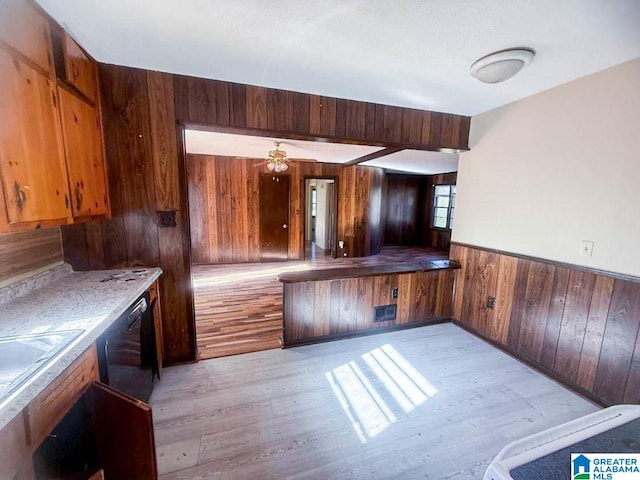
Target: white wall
x=556 y=168
x=321 y=214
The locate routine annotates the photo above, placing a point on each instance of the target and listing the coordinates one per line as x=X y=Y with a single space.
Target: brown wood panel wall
x=235 y=106
x=402 y=194
x=146 y=175
x=582 y=326
x=223 y=192
x=24 y=252
x=324 y=309
x=407 y=205
x=147 y=172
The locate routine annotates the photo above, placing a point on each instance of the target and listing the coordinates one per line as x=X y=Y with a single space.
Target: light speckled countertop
x=61 y=299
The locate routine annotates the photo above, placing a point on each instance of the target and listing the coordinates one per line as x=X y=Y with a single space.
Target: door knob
x=284 y=225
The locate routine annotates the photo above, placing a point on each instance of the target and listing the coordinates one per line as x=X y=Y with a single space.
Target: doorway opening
x=321 y=214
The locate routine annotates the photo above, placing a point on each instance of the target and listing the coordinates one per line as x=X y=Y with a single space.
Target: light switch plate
x=586 y=248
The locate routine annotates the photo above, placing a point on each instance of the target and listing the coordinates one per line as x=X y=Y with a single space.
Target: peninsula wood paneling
x=25 y=252
x=146 y=175
x=223 y=191
x=581 y=326
x=318 y=310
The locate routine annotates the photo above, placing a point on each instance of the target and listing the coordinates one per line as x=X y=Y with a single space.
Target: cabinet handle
x=54 y=100
x=75 y=73
x=79 y=198
x=21 y=197
x=66 y=201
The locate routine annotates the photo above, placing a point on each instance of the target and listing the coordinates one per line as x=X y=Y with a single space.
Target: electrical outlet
x=341 y=244
x=586 y=248
x=394 y=293
x=491 y=303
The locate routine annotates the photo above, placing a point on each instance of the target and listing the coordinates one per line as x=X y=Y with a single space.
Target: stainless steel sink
x=22 y=356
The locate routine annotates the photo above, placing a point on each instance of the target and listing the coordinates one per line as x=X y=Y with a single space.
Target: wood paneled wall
x=237 y=106
x=223 y=192
x=408 y=202
x=147 y=172
x=582 y=326
x=324 y=309
x=145 y=176
x=403 y=194
x=25 y=252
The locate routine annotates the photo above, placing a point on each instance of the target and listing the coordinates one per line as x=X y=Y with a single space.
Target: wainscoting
x=317 y=310
x=581 y=326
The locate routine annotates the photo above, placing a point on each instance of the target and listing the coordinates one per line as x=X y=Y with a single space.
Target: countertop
x=59 y=300
x=366 y=271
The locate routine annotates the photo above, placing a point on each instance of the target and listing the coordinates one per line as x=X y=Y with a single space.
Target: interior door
x=274 y=217
x=124 y=435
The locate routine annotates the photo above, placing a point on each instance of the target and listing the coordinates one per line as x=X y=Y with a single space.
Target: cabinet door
x=25 y=29
x=31 y=153
x=81 y=70
x=85 y=159
x=15 y=456
x=124 y=435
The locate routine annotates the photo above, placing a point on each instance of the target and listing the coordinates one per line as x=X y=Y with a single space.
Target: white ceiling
x=413 y=53
x=413 y=161
x=246 y=146
x=417 y=161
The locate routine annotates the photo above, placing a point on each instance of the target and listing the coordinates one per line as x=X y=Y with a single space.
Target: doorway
x=274 y=217
x=320 y=217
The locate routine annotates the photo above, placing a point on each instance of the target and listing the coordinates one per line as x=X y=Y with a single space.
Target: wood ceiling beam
x=372 y=156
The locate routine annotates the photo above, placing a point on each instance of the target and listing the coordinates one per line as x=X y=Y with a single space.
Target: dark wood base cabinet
x=104 y=431
x=80 y=429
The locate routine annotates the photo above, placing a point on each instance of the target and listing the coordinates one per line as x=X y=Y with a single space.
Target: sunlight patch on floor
x=223 y=279
x=365 y=407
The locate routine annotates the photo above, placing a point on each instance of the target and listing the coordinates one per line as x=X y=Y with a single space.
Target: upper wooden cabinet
x=31 y=153
x=80 y=69
x=52 y=165
x=85 y=161
x=26 y=30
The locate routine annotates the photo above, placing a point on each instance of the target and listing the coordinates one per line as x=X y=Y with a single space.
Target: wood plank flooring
x=428 y=403
x=239 y=306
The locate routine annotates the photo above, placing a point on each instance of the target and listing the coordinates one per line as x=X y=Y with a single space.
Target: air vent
x=384 y=313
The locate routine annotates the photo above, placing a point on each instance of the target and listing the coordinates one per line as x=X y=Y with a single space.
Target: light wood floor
x=428 y=403
x=239 y=306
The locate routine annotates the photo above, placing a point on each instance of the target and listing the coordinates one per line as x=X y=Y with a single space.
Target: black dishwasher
x=126 y=351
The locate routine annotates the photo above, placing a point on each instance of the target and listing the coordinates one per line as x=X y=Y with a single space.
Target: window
x=314 y=202
x=444 y=202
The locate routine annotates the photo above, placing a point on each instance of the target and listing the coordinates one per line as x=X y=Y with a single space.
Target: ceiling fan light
x=284 y=167
x=500 y=66
x=271 y=166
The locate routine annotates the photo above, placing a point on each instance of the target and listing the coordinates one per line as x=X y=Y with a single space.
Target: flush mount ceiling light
x=277 y=159
x=500 y=66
